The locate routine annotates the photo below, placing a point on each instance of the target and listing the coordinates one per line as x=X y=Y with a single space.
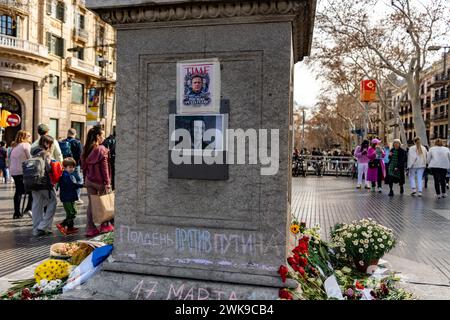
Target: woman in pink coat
x=377 y=170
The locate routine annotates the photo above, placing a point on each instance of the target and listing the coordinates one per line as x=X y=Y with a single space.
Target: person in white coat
x=417 y=162
x=439 y=162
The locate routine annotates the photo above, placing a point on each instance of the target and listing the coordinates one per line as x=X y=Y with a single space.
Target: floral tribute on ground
x=53 y=274
x=339 y=270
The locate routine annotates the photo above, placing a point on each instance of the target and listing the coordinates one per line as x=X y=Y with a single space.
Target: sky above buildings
x=307 y=88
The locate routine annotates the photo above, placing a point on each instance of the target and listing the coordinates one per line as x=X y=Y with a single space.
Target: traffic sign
x=13 y=120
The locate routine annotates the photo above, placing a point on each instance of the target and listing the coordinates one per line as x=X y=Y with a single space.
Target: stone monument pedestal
x=201 y=239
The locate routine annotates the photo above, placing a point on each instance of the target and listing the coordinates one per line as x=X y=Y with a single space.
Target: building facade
x=434 y=94
x=54 y=57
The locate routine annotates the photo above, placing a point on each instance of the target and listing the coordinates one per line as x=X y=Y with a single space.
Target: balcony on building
x=83 y=67
x=438 y=136
x=80 y=35
x=439 y=116
x=440 y=80
x=441 y=97
x=23 y=47
x=22 y=7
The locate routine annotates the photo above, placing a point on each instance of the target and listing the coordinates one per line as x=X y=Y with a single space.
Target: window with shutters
x=81 y=22
x=8 y=26
x=56 y=45
x=53 y=128
x=56 y=9
x=53 y=86
x=79 y=54
x=77 y=93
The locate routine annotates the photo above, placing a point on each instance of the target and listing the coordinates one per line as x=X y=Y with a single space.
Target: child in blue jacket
x=68 y=194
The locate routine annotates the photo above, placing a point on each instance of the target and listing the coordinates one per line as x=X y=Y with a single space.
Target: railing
x=440 y=77
x=438 y=136
x=23 y=45
x=440 y=116
x=324 y=165
x=16 y=4
x=440 y=97
x=81 y=33
x=83 y=66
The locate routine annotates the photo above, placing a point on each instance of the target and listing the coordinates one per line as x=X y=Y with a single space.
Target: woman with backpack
x=19 y=153
x=97 y=175
x=43 y=190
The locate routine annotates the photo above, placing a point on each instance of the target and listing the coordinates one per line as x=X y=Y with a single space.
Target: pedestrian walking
x=55 y=151
x=3 y=158
x=376 y=171
x=386 y=149
x=110 y=144
x=68 y=187
x=39 y=177
x=20 y=151
x=363 y=163
x=417 y=162
x=72 y=148
x=438 y=159
x=396 y=168
x=97 y=175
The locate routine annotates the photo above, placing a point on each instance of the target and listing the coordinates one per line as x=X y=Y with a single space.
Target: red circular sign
x=13 y=120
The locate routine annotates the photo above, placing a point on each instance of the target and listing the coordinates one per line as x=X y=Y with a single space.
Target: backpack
x=66 y=148
x=35 y=176
x=75 y=147
x=56 y=172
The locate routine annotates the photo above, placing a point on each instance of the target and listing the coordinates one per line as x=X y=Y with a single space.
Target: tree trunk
x=399 y=121
x=419 y=123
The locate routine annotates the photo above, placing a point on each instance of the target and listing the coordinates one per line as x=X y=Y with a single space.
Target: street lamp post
x=444 y=81
x=303 y=130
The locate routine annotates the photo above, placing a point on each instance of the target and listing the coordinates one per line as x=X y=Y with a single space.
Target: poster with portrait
x=197 y=132
x=198 y=86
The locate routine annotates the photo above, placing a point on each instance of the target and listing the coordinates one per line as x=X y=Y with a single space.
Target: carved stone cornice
x=300 y=12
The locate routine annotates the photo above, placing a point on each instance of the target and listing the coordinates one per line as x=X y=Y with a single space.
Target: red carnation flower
x=301 y=271
x=302 y=248
x=304 y=239
x=283 y=271
x=359 y=286
x=284 y=294
x=293 y=260
x=302 y=261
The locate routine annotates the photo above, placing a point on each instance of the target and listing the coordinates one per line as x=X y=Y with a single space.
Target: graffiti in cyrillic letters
x=199 y=242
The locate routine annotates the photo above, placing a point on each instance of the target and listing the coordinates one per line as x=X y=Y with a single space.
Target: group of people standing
x=40 y=168
x=378 y=164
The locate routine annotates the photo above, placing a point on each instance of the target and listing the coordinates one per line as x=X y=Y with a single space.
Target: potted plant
x=364 y=242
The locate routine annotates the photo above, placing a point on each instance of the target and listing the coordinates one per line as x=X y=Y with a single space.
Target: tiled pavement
x=18 y=248
x=421 y=224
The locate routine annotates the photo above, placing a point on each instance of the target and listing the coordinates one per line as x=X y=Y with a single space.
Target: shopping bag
x=102 y=207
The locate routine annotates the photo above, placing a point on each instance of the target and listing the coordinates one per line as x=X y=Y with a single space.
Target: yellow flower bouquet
x=52 y=270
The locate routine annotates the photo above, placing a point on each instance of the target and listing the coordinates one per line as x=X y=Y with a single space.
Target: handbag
x=102 y=207
x=374 y=163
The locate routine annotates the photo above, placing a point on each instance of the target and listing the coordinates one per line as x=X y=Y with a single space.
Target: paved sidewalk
x=422 y=225
x=18 y=247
